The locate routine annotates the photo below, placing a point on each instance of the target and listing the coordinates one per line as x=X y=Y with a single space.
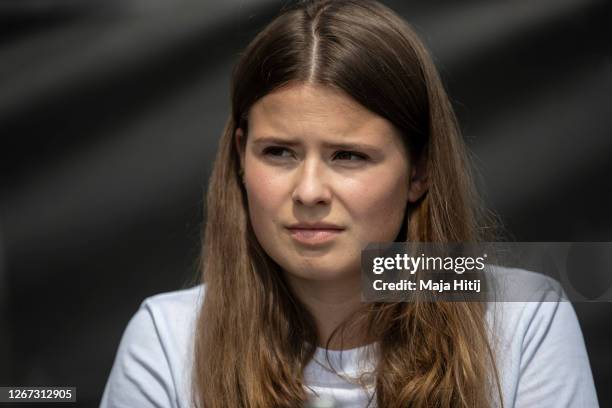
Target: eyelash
x=268 y=152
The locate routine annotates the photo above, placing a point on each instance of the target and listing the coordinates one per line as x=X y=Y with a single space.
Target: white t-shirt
x=541 y=356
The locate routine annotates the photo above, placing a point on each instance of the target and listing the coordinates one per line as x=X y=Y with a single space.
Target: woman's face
x=324 y=177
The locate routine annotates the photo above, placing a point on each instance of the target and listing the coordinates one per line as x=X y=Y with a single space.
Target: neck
x=331 y=303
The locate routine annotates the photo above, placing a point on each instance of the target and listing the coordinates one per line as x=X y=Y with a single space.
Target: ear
x=240 y=143
x=418 y=185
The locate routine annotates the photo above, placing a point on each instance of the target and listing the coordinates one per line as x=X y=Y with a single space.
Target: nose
x=311 y=186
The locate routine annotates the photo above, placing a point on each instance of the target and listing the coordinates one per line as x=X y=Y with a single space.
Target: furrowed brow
x=291 y=142
x=275 y=140
x=350 y=146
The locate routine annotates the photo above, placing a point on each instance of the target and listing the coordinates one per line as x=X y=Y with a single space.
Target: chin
x=322 y=272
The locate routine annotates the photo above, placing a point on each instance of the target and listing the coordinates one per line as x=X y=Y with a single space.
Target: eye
x=350 y=156
x=277 y=151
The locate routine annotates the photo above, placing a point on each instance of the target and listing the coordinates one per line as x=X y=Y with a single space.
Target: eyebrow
x=290 y=142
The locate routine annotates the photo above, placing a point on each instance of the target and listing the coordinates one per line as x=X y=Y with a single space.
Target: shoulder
x=540 y=350
x=168 y=318
x=174 y=309
x=520 y=297
x=153 y=362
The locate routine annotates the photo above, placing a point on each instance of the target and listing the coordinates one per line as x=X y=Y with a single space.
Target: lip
x=313 y=234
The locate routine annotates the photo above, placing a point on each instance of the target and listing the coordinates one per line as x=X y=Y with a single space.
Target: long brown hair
x=254 y=337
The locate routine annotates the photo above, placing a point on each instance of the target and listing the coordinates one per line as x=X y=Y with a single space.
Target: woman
x=340 y=134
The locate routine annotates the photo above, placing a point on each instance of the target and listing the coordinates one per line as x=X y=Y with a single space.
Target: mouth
x=314 y=236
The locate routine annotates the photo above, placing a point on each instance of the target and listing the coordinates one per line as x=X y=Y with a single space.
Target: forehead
x=304 y=110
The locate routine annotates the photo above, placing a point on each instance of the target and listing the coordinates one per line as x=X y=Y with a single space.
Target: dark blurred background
x=110 y=113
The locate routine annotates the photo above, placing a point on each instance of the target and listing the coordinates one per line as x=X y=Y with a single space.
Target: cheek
x=377 y=205
x=266 y=195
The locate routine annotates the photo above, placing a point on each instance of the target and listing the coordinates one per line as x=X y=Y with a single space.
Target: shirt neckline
x=328 y=367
